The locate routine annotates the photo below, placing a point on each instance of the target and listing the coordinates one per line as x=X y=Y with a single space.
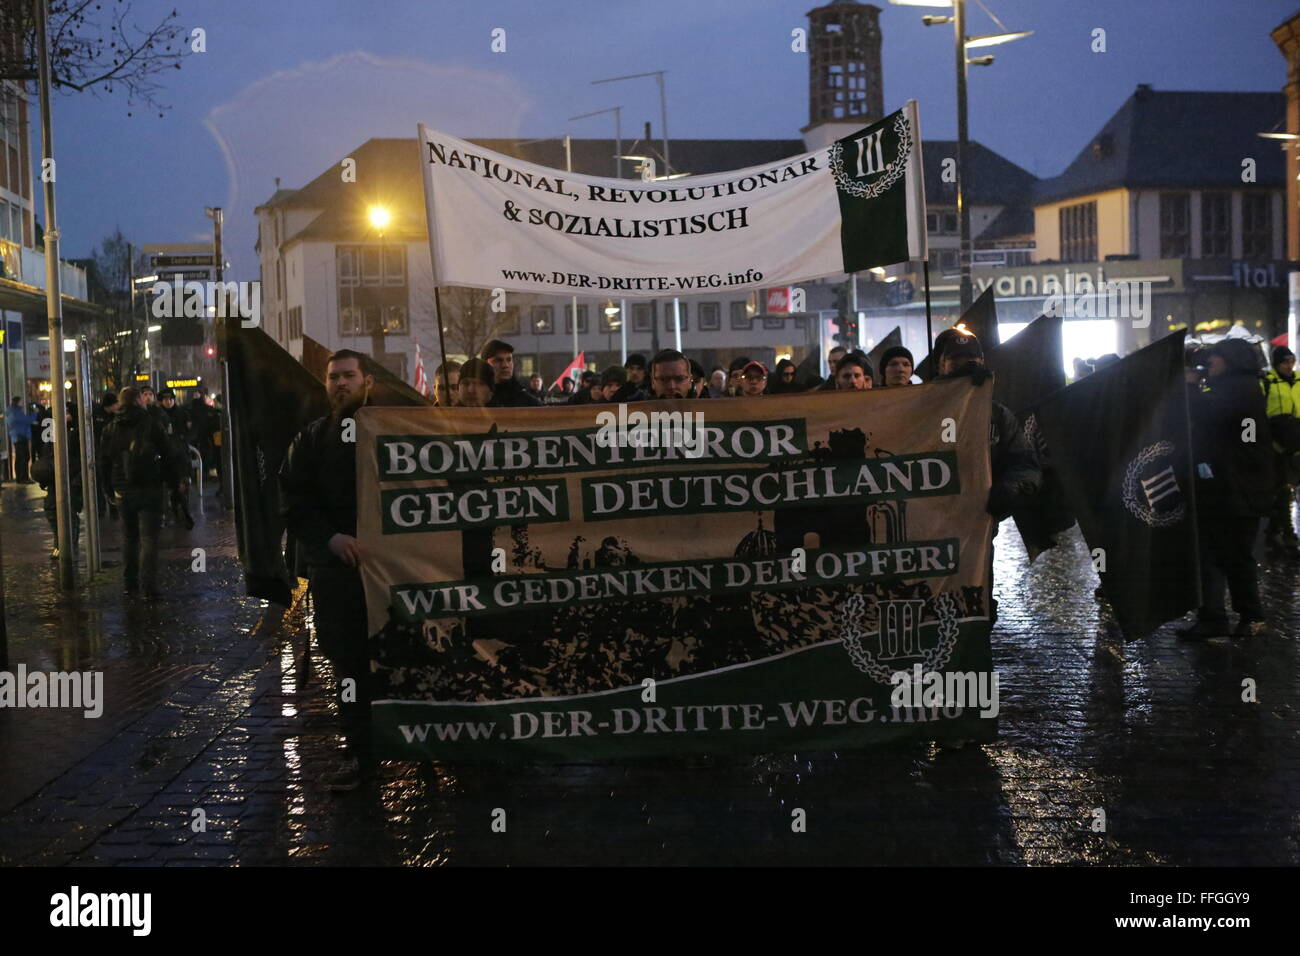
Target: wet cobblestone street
x=216 y=703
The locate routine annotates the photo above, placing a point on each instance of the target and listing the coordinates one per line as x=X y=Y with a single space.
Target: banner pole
x=423 y=137
x=929 y=330
x=622 y=325
x=442 y=345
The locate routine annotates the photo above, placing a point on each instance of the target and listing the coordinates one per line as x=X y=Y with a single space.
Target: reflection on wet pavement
x=217 y=704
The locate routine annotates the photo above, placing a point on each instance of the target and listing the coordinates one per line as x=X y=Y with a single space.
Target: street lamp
x=618 y=132
x=962 y=44
x=663 y=105
x=380 y=217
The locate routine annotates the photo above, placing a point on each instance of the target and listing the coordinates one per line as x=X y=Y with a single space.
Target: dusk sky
x=291 y=87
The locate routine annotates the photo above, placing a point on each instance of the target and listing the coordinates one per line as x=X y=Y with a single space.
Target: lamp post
x=54 y=310
x=963 y=43
x=618 y=134
x=663 y=107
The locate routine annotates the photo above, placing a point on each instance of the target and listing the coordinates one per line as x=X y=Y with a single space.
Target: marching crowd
x=143 y=463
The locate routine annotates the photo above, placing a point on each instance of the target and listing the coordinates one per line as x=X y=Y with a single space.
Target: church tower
x=845 y=82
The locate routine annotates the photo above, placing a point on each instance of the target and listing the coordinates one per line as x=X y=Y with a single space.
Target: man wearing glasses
x=670 y=375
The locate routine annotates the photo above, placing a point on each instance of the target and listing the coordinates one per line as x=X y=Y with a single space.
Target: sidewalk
x=214 y=704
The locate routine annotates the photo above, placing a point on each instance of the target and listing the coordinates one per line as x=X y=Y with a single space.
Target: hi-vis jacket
x=1283 y=396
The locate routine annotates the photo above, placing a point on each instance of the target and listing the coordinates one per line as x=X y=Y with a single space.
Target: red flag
x=421 y=382
x=577 y=365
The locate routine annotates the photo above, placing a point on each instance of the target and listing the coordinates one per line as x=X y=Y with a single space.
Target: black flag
x=888 y=342
x=1120 y=441
x=271 y=398
x=981 y=320
x=1026 y=369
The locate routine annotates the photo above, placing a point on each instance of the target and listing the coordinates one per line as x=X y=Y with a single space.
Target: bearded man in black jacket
x=318 y=494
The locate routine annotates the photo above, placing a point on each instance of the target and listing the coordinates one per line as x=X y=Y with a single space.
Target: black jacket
x=318 y=489
x=512 y=394
x=134 y=423
x=1242 y=471
x=1017 y=473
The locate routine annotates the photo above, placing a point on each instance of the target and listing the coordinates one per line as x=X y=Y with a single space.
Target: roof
x=994 y=180
x=1011 y=221
x=1187 y=140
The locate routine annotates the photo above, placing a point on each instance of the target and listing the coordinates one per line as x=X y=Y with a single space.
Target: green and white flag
x=499 y=222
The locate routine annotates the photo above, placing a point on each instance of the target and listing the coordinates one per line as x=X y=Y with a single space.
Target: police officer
x=318 y=493
x=1282 y=392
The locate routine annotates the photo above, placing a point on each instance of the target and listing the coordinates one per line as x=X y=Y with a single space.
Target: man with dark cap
x=508 y=391
x=896 y=366
x=852 y=372
x=474 y=390
x=636 y=369
x=1282 y=391
x=1234 y=486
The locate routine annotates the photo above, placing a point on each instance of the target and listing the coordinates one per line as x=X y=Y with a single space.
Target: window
x=668 y=316
x=508 y=324
x=741 y=320
x=1078 y=225
x=774 y=321
x=949 y=224
x=543 y=319
x=582 y=320
x=1216 y=225
x=949 y=261
x=1175 y=225
x=643 y=316
x=294 y=331
x=1257 y=225
x=710 y=316
x=372 y=291
x=932 y=223
x=610 y=323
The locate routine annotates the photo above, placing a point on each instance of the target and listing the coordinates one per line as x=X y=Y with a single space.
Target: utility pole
x=222 y=323
x=54 y=309
x=963 y=134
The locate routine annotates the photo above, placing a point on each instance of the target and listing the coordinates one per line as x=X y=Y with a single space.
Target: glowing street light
x=380 y=217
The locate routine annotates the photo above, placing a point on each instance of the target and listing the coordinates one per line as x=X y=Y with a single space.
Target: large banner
x=549 y=582
x=499 y=222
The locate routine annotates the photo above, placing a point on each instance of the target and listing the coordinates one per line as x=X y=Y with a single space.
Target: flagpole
x=929 y=330
x=433 y=263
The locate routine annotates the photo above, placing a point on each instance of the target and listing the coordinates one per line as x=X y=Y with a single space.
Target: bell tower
x=845 y=82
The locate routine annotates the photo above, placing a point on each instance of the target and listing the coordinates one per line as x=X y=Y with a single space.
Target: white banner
x=500 y=222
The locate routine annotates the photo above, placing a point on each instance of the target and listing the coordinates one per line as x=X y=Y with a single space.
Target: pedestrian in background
x=1232 y=451
x=135 y=453
x=19 y=422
